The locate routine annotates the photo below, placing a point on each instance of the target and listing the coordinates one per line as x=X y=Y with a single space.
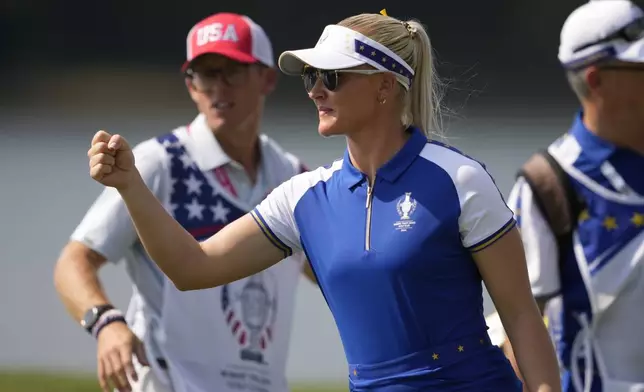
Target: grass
x=44 y=382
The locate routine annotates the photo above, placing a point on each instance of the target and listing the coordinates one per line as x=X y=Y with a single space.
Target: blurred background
x=72 y=67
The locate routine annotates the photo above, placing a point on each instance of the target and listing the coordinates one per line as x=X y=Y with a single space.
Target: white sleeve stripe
x=275 y=215
x=494 y=237
x=303 y=182
x=274 y=239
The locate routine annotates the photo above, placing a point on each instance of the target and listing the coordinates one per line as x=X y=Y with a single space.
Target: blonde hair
x=409 y=40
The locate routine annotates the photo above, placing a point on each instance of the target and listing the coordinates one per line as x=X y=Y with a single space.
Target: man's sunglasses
x=634 y=31
x=633 y=67
x=330 y=78
x=205 y=79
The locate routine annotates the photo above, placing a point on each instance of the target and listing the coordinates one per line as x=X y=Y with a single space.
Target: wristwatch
x=92 y=315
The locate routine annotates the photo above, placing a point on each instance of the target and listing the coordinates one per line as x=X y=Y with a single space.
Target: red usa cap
x=234 y=36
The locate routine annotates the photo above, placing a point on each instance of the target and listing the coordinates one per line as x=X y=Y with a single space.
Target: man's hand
x=116 y=347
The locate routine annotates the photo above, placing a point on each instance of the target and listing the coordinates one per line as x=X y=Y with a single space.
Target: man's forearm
x=76 y=281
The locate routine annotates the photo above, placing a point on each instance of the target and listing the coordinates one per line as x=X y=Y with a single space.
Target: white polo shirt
x=228 y=338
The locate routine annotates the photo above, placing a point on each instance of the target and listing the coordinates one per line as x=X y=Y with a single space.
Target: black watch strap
x=93 y=314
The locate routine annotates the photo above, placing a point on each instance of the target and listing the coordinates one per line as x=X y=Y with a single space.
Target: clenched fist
x=111 y=161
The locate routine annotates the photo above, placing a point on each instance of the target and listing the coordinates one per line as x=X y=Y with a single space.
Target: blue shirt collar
x=395 y=167
x=595 y=148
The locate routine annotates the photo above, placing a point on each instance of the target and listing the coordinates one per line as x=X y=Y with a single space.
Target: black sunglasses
x=623 y=67
x=330 y=78
x=204 y=79
x=632 y=32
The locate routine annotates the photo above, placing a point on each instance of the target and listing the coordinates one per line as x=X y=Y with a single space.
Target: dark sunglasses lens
x=309 y=77
x=330 y=80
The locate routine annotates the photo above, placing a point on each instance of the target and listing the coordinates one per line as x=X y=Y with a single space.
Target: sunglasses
x=634 y=31
x=205 y=79
x=330 y=78
x=623 y=67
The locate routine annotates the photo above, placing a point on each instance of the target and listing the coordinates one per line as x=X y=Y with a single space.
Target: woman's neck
x=372 y=147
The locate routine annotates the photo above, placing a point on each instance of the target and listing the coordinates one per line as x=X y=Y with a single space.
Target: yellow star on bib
x=610 y=223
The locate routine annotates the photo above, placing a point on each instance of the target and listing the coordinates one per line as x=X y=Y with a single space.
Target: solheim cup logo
x=250 y=307
x=405 y=207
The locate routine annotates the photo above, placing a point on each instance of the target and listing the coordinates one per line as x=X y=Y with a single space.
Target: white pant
x=148 y=380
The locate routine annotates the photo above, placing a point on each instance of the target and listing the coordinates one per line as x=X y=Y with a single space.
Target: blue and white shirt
x=596 y=318
x=394 y=263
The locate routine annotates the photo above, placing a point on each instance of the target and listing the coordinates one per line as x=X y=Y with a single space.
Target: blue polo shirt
x=394 y=263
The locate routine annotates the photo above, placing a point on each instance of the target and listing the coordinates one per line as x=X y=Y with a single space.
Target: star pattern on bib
x=195 y=203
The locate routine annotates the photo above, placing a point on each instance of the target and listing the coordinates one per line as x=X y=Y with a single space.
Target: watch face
x=93 y=314
x=90 y=317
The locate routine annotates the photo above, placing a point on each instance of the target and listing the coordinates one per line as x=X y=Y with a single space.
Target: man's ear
x=191 y=89
x=593 y=78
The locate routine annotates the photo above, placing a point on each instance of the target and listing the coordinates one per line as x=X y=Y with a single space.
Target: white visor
x=341 y=48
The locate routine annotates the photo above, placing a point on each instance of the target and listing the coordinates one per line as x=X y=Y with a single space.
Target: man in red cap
x=207 y=174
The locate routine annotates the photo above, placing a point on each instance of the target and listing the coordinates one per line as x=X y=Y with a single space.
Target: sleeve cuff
x=274 y=239
x=479 y=246
x=109 y=256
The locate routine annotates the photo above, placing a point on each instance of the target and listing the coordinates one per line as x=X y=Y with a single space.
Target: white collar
x=206 y=150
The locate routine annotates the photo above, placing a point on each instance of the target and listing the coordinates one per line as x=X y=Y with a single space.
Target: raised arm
x=240 y=249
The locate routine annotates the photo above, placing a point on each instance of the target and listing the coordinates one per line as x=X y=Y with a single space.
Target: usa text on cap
x=235 y=36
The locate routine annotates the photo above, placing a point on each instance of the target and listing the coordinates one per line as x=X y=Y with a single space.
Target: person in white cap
x=206 y=174
x=398 y=232
x=580 y=205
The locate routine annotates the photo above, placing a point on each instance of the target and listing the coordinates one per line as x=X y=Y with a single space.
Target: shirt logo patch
x=405 y=207
x=250 y=307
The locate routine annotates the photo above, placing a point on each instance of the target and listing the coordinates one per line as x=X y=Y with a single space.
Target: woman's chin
x=328 y=128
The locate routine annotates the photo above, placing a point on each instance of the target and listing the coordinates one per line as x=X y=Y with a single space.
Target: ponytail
x=424 y=94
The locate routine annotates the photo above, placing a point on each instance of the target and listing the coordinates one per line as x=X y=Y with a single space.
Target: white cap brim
x=292 y=62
